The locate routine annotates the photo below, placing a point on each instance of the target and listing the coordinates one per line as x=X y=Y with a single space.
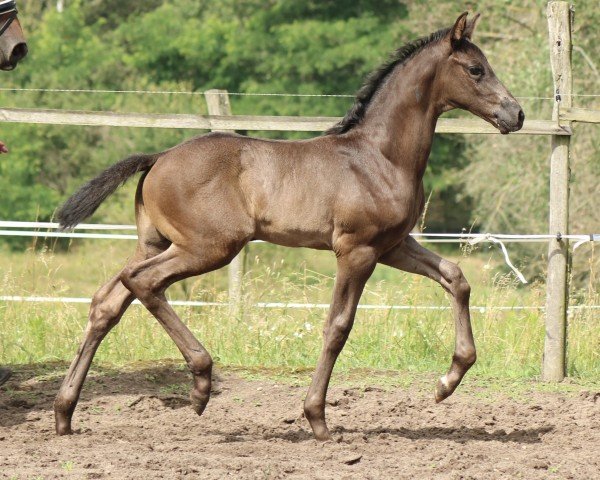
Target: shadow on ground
x=459 y=435
x=33 y=388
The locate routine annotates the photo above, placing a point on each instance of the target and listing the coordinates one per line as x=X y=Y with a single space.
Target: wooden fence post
x=217 y=102
x=557 y=291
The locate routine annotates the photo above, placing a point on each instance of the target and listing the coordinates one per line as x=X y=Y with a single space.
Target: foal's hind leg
x=108 y=306
x=413 y=258
x=148 y=281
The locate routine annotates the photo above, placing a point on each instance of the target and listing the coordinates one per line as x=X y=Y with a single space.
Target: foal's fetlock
x=63 y=426
x=448 y=383
x=467 y=359
x=313 y=409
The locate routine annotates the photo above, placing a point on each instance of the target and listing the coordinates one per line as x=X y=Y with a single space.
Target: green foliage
x=251 y=46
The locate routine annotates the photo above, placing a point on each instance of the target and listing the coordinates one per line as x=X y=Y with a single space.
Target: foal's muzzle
x=509 y=117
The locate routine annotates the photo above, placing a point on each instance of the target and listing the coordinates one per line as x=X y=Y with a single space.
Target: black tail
x=89 y=197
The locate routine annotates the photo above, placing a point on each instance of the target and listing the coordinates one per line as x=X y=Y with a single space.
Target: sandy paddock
x=137 y=423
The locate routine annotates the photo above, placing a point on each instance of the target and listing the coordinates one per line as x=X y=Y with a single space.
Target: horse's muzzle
x=18 y=53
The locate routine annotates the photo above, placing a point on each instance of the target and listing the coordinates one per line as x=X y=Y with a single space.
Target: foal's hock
x=357 y=191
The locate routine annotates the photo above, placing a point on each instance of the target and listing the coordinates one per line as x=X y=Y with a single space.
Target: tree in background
x=496 y=183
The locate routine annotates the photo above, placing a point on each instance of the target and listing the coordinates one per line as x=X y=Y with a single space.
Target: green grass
x=510 y=343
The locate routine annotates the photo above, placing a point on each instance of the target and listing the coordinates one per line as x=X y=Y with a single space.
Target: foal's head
x=13 y=47
x=466 y=80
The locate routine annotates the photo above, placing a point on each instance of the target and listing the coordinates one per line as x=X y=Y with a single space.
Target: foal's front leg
x=354 y=269
x=411 y=257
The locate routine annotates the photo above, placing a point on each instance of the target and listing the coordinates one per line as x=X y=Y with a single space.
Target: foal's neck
x=402 y=116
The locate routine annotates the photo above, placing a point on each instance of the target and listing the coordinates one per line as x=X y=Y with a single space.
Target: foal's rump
x=90 y=196
x=193 y=192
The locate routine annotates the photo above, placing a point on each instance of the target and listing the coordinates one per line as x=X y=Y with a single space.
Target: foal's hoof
x=63 y=427
x=62 y=417
x=324 y=437
x=320 y=431
x=199 y=402
x=442 y=390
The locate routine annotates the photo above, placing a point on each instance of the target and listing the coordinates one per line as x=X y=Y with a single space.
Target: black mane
x=376 y=79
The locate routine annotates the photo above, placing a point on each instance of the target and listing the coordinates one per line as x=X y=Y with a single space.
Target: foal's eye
x=476 y=71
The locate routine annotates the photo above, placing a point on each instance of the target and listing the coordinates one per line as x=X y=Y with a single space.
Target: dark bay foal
x=357 y=191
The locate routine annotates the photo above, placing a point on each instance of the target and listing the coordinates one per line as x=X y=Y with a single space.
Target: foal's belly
x=295 y=222
x=320 y=221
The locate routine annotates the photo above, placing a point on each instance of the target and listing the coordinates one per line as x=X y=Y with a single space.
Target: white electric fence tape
x=471 y=238
x=293 y=305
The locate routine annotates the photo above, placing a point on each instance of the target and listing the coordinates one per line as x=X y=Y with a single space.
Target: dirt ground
x=137 y=424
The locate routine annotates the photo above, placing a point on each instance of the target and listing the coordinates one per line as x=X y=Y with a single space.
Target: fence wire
x=239 y=94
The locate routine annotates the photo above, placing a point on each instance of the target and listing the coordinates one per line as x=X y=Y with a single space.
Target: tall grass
x=510 y=342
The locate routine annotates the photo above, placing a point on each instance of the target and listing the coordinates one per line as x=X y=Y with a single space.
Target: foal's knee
x=457 y=283
x=128 y=278
x=337 y=333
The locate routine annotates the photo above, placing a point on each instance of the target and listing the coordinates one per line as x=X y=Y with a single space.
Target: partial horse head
x=13 y=47
x=470 y=83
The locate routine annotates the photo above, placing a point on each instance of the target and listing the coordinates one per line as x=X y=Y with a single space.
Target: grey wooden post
x=217 y=102
x=557 y=296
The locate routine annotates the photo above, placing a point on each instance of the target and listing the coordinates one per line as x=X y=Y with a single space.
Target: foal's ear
x=457 y=32
x=470 y=28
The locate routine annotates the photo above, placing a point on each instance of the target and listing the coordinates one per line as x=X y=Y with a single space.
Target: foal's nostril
x=521 y=117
